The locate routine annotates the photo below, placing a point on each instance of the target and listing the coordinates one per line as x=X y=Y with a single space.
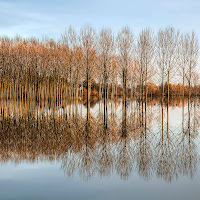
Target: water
x=137 y=151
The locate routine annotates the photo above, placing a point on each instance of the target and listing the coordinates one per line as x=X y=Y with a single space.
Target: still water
x=70 y=151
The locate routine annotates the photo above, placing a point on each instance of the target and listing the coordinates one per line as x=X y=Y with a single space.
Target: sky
x=50 y=18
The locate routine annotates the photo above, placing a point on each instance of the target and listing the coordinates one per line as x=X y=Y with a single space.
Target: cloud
x=48 y=17
x=183 y=6
x=23 y=20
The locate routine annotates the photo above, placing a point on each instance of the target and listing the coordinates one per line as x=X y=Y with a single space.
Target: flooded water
x=72 y=151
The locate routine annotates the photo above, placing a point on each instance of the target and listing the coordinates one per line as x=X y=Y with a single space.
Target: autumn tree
x=88 y=45
x=167 y=53
x=70 y=39
x=191 y=61
x=106 y=50
x=125 y=44
x=145 y=57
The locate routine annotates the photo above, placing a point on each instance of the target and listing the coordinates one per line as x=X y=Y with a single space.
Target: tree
x=167 y=53
x=106 y=50
x=88 y=44
x=70 y=39
x=125 y=46
x=145 y=57
x=191 y=59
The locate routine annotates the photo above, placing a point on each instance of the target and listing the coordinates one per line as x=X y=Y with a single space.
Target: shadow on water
x=111 y=136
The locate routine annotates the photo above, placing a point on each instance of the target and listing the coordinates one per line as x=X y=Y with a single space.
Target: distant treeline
x=153 y=90
x=87 y=62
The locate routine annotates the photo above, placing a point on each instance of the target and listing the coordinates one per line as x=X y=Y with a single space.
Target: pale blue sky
x=50 y=17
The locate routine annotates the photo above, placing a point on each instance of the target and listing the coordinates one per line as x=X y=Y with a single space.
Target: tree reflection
x=143 y=147
x=142 y=139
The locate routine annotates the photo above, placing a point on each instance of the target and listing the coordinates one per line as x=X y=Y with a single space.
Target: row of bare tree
x=81 y=57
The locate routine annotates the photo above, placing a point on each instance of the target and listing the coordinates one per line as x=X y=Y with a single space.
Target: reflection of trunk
x=145 y=126
x=105 y=103
x=124 y=129
x=87 y=123
x=189 y=117
x=144 y=147
x=190 y=158
x=168 y=117
x=88 y=99
x=146 y=90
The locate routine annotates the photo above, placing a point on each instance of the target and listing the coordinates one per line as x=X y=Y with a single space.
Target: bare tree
x=70 y=39
x=167 y=53
x=192 y=55
x=106 y=50
x=88 y=44
x=125 y=46
x=145 y=57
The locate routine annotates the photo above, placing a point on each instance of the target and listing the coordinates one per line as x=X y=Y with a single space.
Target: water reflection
x=153 y=138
